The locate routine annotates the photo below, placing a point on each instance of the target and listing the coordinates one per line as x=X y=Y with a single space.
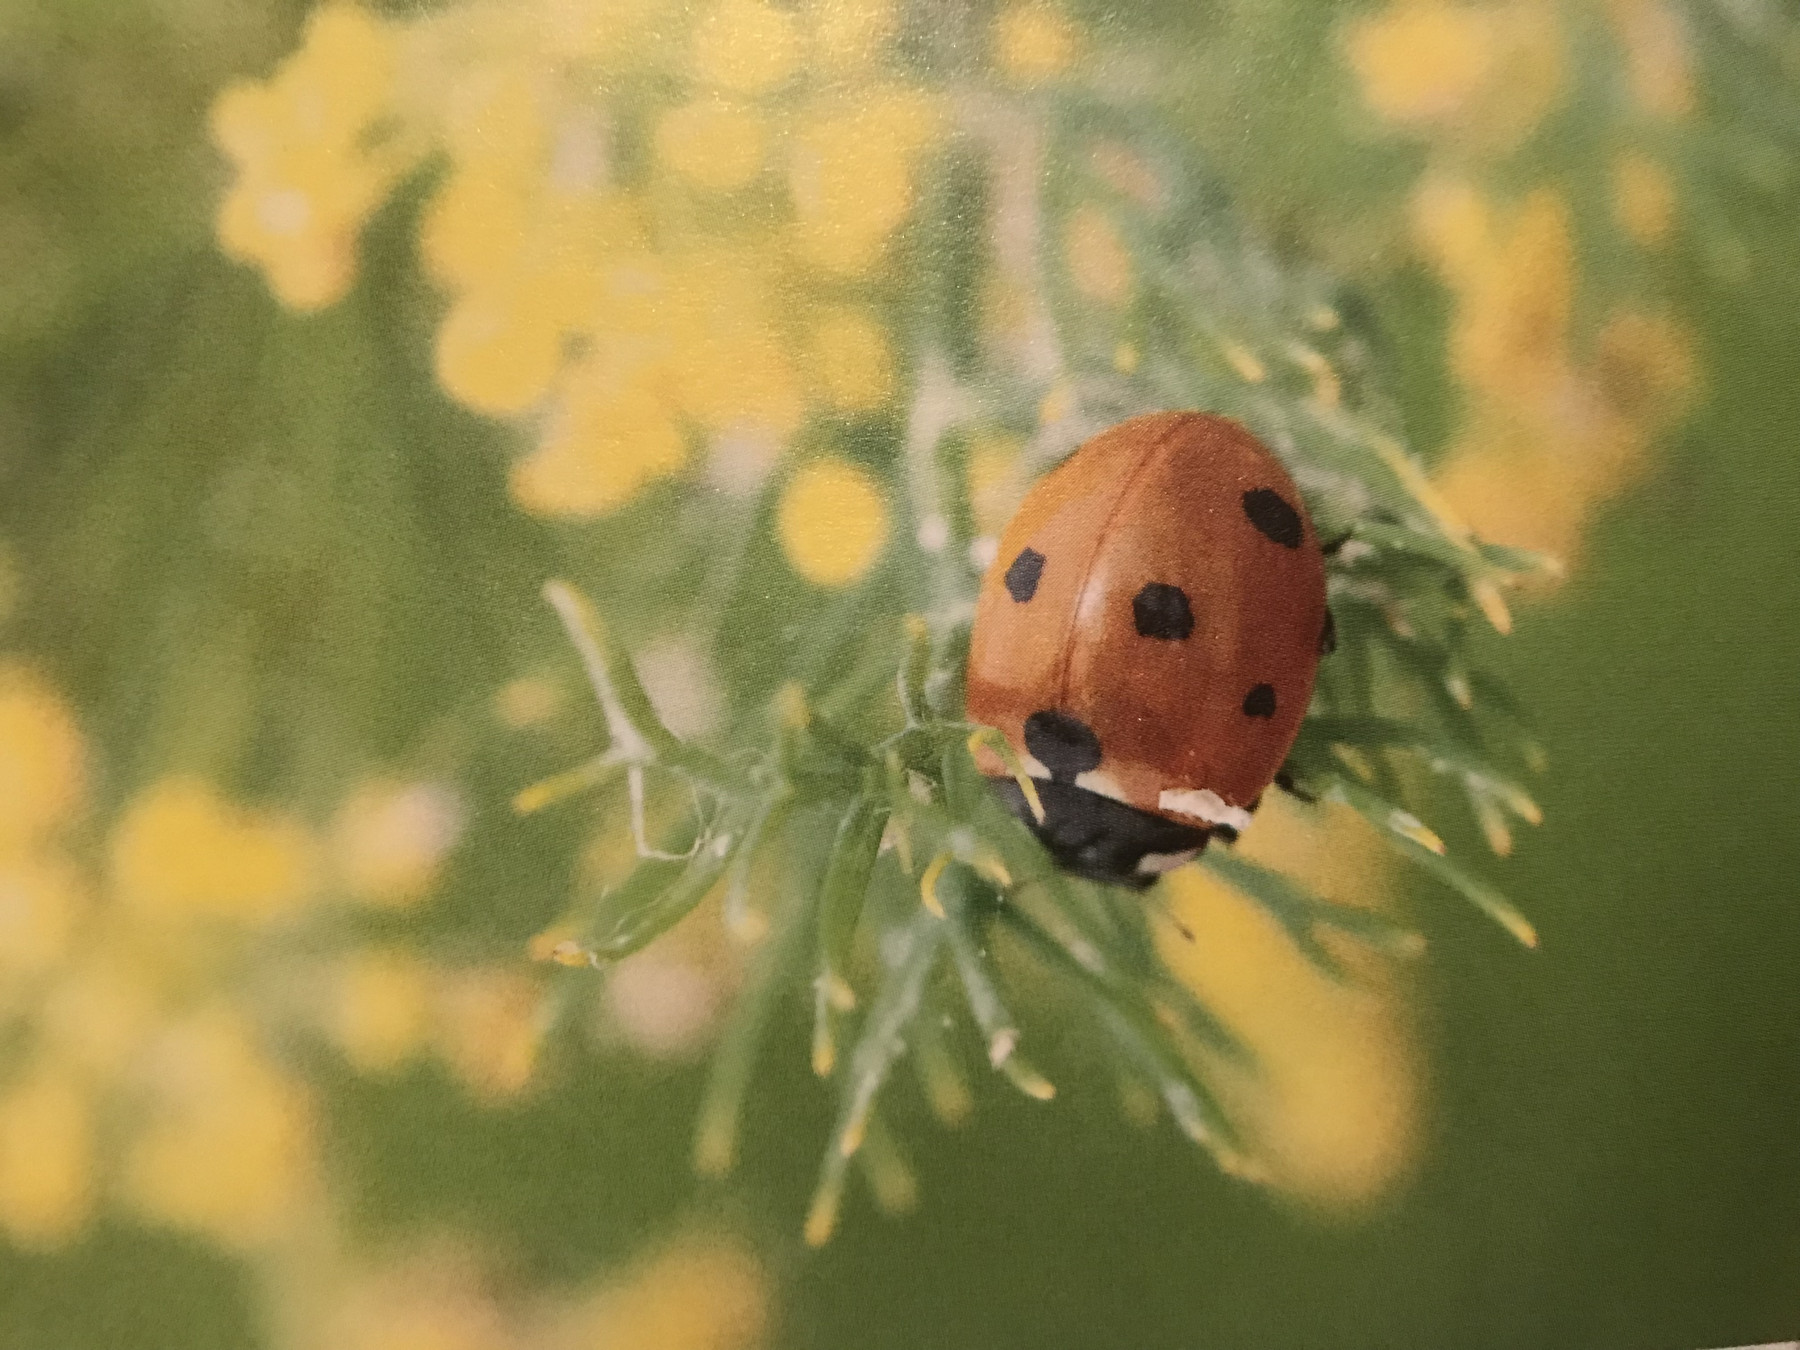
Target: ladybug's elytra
x=1146 y=639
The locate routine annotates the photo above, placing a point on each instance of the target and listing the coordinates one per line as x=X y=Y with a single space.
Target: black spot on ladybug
x=1022 y=576
x=1065 y=745
x=1271 y=514
x=1328 y=635
x=1161 y=611
x=1260 y=701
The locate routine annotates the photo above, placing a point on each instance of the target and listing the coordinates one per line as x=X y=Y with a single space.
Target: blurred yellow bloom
x=832 y=522
x=500 y=347
x=380 y=1009
x=1422 y=60
x=40 y=760
x=98 y=1016
x=848 y=34
x=852 y=360
x=1491 y=71
x=528 y=701
x=712 y=144
x=227 y=1150
x=746 y=47
x=1452 y=224
x=1645 y=368
x=181 y=851
x=1098 y=263
x=306 y=179
x=475 y=227
x=390 y=838
x=852 y=176
x=1331 y=1109
x=1033 y=42
x=995 y=483
x=41 y=899
x=47 y=1180
x=702 y=1293
x=489 y=1029
x=1643 y=198
x=432 y=1301
x=607 y=440
x=1510 y=336
x=1658 y=54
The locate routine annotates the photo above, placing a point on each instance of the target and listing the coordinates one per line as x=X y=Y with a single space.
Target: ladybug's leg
x=1285 y=781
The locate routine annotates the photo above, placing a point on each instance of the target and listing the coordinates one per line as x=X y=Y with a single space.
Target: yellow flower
x=46 y=1158
x=1451 y=222
x=1098 y=263
x=390 y=838
x=380 y=1013
x=227 y=1151
x=1658 y=54
x=994 y=481
x=499 y=348
x=40 y=759
x=1643 y=198
x=1421 y=60
x=852 y=360
x=1510 y=337
x=746 y=47
x=851 y=177
x=489 y=1030
x=41 y=900
x=1033 y=42
x=611 y=437
x=1331 y=1109
x=1645 y=368
x=183 y=852
x=712 y=144
x=849 y=34
x=475 y=227
x=832 y=522
x=702 y=1293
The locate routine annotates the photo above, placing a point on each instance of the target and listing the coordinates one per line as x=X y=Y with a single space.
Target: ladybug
x=1146 y=638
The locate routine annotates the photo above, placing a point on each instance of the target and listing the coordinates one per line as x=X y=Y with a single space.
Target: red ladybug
x=1147 y=638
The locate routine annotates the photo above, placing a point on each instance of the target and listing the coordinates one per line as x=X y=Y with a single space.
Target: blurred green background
x=265 y=549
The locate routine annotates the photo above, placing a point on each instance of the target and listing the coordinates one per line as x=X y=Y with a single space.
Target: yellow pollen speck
x=1033 y=42
x=528 y=701
x=832 y=522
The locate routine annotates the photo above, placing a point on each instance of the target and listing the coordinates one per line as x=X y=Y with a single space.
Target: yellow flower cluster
x=310 y=163
x=708 y=286
x=143 y=1080
x=1552 y=426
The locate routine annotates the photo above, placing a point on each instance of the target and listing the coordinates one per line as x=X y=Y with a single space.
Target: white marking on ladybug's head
x=1101 y=782
x=1204 y=804
x=1155 y=864
x=1034 y=766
